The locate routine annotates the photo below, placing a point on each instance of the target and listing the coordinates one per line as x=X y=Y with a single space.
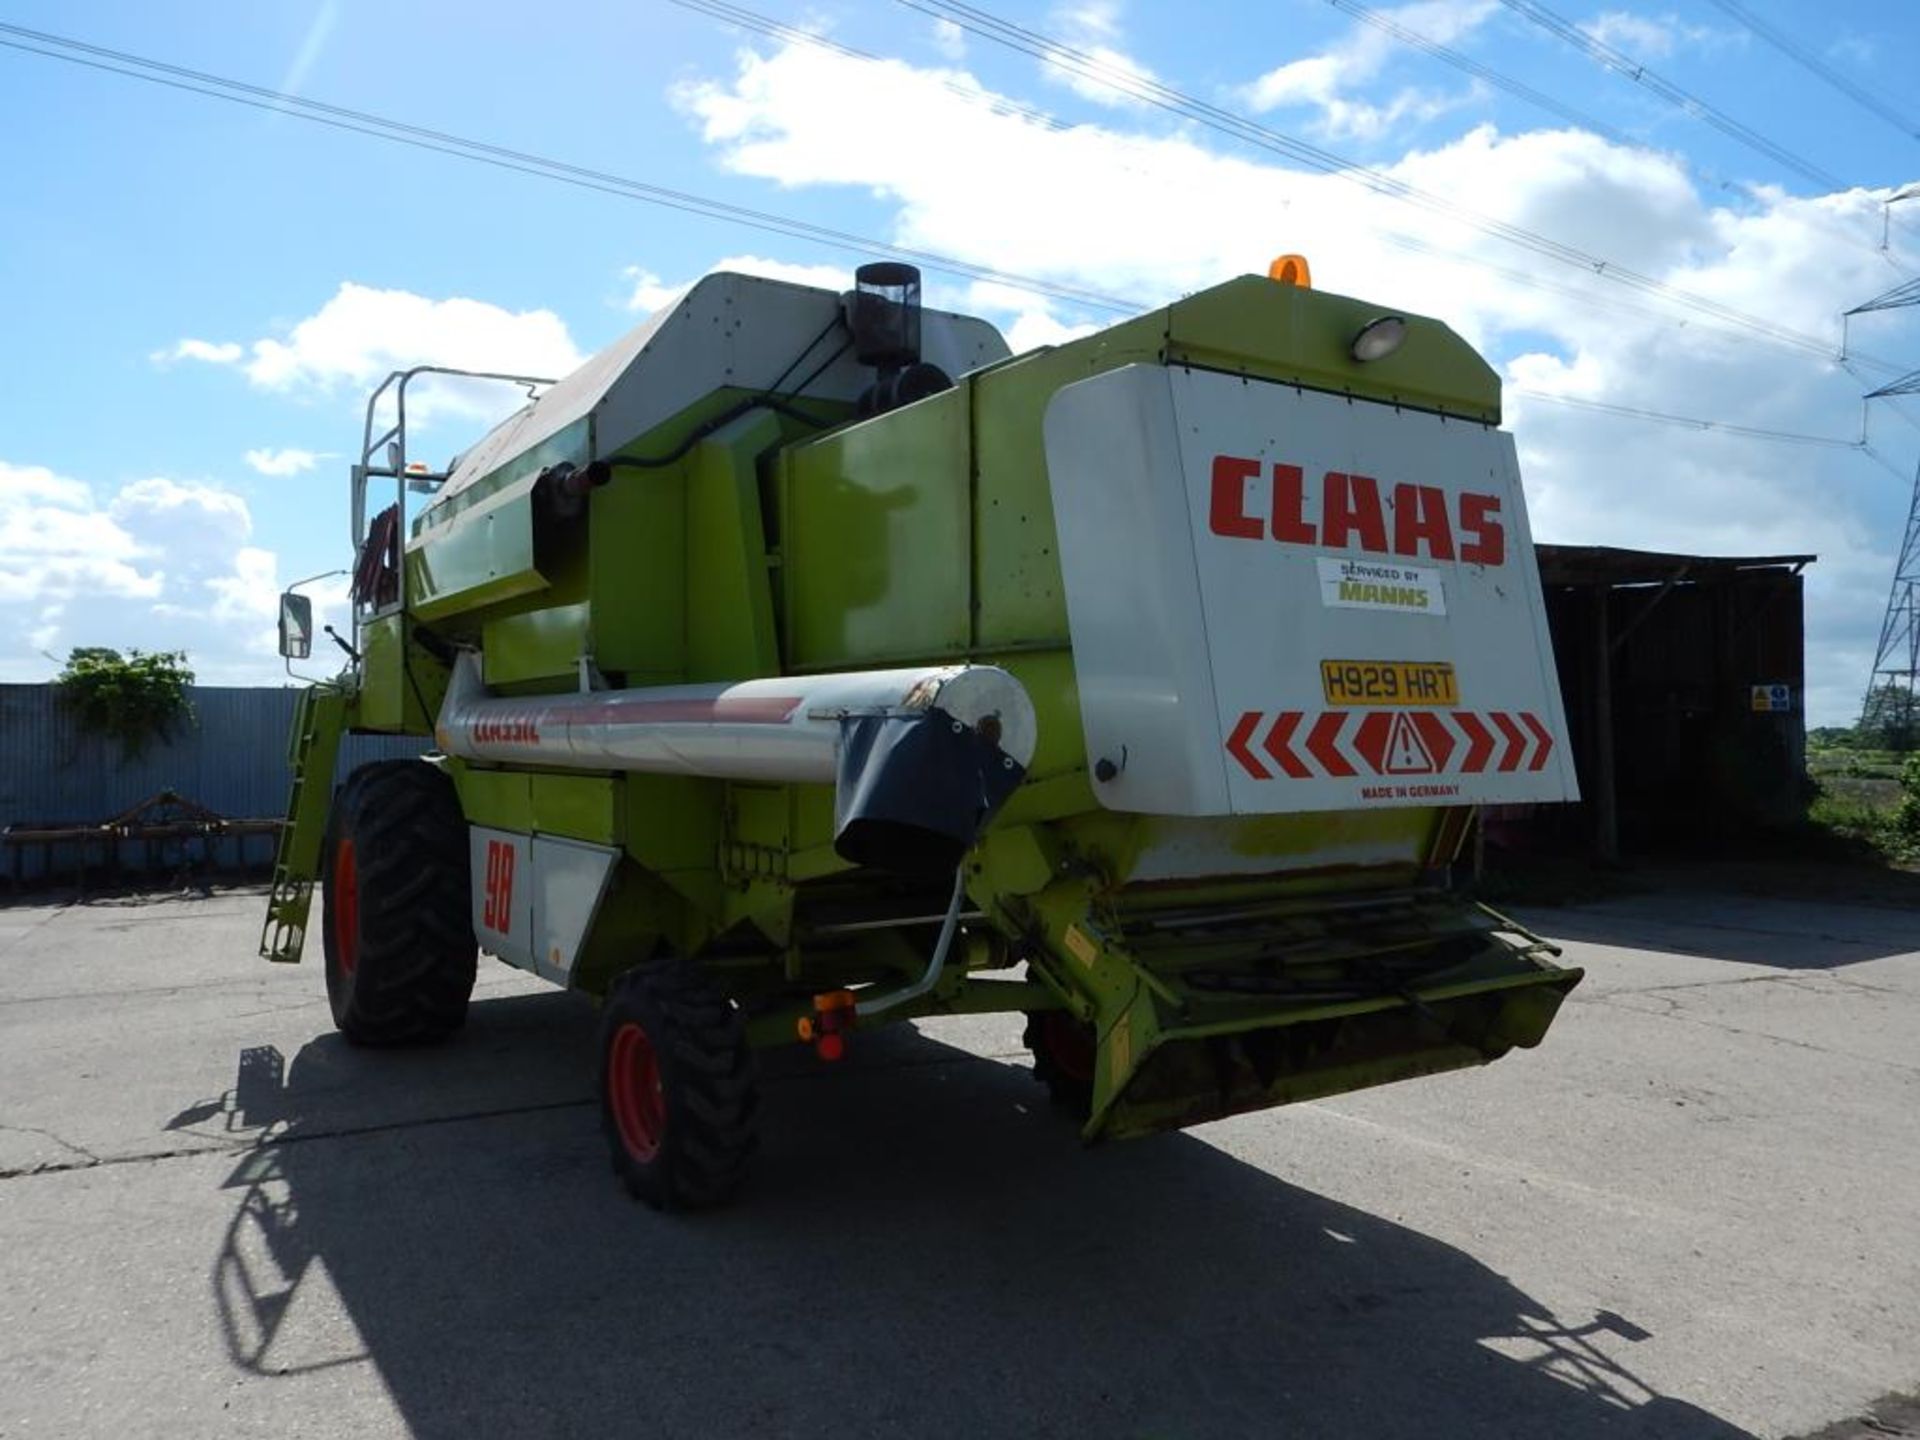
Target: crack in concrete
x=132 y=991
x=34 y=929
x=1674 y=1011
x=1774 y=932
x=265 y=1142
x=59 y=1140
x=1808 y=980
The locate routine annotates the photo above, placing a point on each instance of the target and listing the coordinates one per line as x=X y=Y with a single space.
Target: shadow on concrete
x=1785 y=934
x=926 y=1251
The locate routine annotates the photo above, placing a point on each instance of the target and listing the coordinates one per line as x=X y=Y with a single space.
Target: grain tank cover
x=729 y=331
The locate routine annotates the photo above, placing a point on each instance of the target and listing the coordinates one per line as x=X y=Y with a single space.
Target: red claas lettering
x=1350 y=514
x=1478 y=518
x=1228 y=511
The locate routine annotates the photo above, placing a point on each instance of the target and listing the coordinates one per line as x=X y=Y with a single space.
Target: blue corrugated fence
x=232 y=758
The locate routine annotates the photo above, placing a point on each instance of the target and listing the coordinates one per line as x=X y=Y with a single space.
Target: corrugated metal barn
x=1683 y=677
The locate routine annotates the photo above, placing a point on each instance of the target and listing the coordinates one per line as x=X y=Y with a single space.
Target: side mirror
x=296 y=626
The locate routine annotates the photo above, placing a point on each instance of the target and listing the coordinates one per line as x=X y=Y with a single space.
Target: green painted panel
x=382 y=676
x=730 y=629
x=581 y=807
x=877 y=539
x=638 y=564
x=484 y=554
x=1285 y=333
x=1016 y=556
x=535 y=644
x=500 y=799
x=584 y=807
x=569 y=444
x=402 y=684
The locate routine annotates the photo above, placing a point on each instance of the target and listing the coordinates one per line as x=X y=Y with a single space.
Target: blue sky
x=186 y=282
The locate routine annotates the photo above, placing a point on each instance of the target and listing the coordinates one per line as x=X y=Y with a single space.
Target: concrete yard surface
x=1694 y=1211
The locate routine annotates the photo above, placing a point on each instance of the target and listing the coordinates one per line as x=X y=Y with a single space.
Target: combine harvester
x=805 y=663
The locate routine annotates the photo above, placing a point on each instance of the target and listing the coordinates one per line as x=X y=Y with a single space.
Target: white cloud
x=949 y=39
x=55 y=542
x=282 y=462
x=251 y=592
x=226 y=352
x=1092 y=28
x=163 y=564
x=1030 y=329
x=651 y=293
x=1644 y=37
x=1330 y=81
x=362 y=334
x=1134 y=211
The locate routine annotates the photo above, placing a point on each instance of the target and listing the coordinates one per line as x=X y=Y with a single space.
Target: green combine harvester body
x=806 y=662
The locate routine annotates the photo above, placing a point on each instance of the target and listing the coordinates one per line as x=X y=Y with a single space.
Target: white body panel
x=783 y=729
x=569 y=881
x=535 y=896
x=1201 y=608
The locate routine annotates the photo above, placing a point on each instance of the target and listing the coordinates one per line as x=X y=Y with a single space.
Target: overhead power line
x=1682 y=100
x=215 y=87
x=988 y=26
x=1905 y=385
x=1552 y=105
x=136 y=67
x=742 y=18
x=1692 y=422
x=1794 y=50
x=731 y=14
x=1898 y=298
x=1466 y=64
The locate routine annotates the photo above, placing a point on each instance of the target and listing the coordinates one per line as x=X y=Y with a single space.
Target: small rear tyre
x=677 y=1093
x=1064 y=1051
x=401 y=953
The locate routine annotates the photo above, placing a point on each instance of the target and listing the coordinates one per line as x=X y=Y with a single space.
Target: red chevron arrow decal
x=1279 y=744
x=1237 y=746
x=1516 y=742
x=1479 y=741
x=1320 y=744
x=1370 y=739
x=1439 y=739
x=1540 y=733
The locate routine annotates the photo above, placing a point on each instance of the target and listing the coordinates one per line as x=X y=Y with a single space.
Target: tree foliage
x=132 y=699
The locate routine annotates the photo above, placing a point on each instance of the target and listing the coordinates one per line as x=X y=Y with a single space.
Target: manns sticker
x=1371 y=585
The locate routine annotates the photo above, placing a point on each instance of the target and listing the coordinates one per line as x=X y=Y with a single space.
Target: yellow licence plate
x=1389 y=682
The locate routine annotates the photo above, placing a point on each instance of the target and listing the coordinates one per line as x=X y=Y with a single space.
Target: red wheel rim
x=1069 y=1045
x=346 y=907
x=635 y=1092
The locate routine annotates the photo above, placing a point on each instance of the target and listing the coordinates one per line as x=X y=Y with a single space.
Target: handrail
x=396 y=465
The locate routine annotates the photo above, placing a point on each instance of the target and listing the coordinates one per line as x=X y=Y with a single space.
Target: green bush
x=131 y=699
x=1906 y=815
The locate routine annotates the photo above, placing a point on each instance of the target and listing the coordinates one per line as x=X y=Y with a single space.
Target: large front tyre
x=397 y=927
x=677 y=1094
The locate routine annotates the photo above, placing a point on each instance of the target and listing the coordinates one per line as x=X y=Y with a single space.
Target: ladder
x=319 y=718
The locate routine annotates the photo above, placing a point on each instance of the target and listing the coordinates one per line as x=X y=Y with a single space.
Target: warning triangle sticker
x=1406 y=752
